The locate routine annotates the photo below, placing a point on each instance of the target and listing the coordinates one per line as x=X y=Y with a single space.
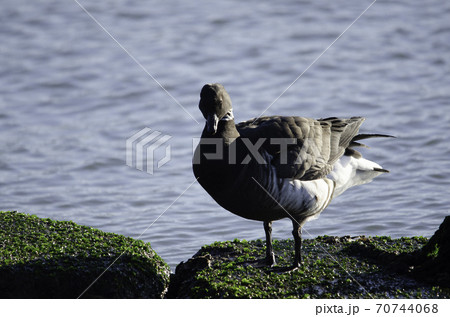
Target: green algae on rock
x=433 y=260
x=43 y=258
x=332 y=268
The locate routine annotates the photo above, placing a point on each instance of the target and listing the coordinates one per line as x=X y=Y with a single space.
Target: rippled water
x=70 y=96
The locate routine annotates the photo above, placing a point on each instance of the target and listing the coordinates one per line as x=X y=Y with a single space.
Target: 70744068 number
x=405 y=308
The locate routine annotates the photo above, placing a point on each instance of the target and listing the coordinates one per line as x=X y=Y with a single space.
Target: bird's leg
x=270 y=256
x=297 y=233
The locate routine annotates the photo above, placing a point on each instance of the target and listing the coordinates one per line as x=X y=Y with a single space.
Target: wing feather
x=317 y=144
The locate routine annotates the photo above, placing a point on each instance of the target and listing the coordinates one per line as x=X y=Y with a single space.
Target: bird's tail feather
x=364 y=136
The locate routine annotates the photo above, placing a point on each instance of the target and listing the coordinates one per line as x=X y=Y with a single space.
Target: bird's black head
x=214 y=104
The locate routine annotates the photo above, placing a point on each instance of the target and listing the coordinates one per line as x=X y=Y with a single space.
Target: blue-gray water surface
x=71 y=95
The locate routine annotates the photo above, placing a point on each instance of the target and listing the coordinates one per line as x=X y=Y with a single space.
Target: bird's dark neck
x=226 y=130
x=216 y=153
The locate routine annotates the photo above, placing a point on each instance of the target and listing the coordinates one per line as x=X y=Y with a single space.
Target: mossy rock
x=333 y=267
x=43 y=258
x=433 y=261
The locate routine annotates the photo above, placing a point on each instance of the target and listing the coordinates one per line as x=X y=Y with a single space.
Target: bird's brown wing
x=311 y=146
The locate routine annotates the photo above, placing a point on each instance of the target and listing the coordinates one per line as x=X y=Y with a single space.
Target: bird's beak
x=211 y=123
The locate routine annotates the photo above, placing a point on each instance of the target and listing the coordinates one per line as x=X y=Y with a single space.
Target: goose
x=276 y=167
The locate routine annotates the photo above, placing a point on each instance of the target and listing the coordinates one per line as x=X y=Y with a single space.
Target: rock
x=42 y=258
x=333 y=267
x=433 y=260
x=181 y=281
